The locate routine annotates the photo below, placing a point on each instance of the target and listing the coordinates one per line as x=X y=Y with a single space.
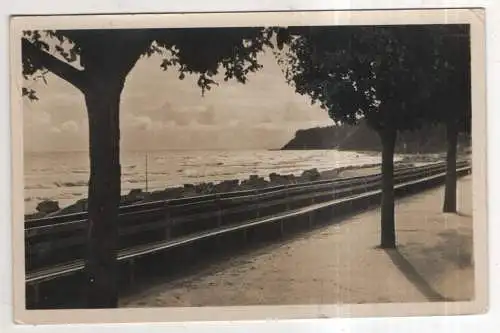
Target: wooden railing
x=55 y=245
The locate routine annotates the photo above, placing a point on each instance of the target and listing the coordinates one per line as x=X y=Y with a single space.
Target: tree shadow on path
x=415 y=277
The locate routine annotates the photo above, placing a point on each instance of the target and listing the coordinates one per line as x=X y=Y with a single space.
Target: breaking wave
x=38 y=187
x=71 y=184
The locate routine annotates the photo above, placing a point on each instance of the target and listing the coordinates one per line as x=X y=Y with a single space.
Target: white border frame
x=479 y=141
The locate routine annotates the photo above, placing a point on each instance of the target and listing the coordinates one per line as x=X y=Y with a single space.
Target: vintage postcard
x=237 y=166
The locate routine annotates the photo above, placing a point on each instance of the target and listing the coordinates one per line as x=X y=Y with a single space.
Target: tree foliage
x=383 y=74
x=451 y=98
x=204 y=52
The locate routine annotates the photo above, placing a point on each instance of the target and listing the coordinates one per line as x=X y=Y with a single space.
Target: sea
x=63 y=176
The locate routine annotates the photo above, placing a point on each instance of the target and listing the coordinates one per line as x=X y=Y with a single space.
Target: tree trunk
x=387 y=224
x=102 y=98
x=450 y=191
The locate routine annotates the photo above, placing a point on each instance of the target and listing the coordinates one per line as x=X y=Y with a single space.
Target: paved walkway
x=341 y=264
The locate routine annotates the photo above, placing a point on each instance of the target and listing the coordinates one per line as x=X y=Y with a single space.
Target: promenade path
x=341 y=263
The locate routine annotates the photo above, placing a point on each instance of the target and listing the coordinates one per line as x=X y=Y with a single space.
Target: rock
x=48 y=206
x=277 y=179
x=311 y=174
x=173 y=192
x=330 y=174
x=83 y=203
x=133 y=196
x=166 y=194
x=134 y=192
x=77 y=207
x=204 y=188
x=254 y=181
x=227 y=186
x=33 y=216
x=188 y=190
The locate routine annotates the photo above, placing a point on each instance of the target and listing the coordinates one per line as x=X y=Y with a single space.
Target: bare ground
x=341 y=264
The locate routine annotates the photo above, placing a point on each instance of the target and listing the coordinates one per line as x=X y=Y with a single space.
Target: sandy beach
x=341 y=263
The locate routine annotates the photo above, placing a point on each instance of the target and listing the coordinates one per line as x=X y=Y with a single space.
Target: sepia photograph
x=321 y=163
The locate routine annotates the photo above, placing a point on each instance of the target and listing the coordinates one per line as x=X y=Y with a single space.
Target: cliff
x=362 y=138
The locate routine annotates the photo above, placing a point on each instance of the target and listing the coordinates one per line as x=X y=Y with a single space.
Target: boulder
x=254 y=181
x=311 y=175
x=133 y=196
x=78 y=207
x=227 y=186
x=205 y=188
x=166 y=194
x=173 y=192
x=33 y=216
x=134 y=192
x=277 y=179
x=48 y=206
x=188 y=190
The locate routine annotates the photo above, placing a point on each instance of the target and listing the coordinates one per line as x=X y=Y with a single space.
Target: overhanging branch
x=60 y=68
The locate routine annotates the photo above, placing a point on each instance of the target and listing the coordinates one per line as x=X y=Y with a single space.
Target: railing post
x=168 y=228
x=245 y=236
x=351 y=194
x=219 y=223
x=36 y=296
x=287 y=196
x=257 y=213
x=219 y=220
x=131 y=273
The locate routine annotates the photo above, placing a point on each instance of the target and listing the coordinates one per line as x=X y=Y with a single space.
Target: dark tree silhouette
x=97 y=63
x=451 y=99
x=383 y=74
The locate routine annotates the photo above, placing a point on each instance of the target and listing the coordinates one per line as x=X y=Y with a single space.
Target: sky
x=159 y=111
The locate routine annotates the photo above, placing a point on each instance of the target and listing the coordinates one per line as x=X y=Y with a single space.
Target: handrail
x=46 y=221
x=242 y=196
x=217 y=205
x=129 y=253
x=42 y=241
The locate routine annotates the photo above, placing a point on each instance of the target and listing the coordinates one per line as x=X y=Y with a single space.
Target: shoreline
x=48 y=208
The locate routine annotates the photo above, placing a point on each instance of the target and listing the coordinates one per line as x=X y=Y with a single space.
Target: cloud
x=158 y=111
x=207 y=117
x=37 y=118
x=141 y=122
x=70 y=126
